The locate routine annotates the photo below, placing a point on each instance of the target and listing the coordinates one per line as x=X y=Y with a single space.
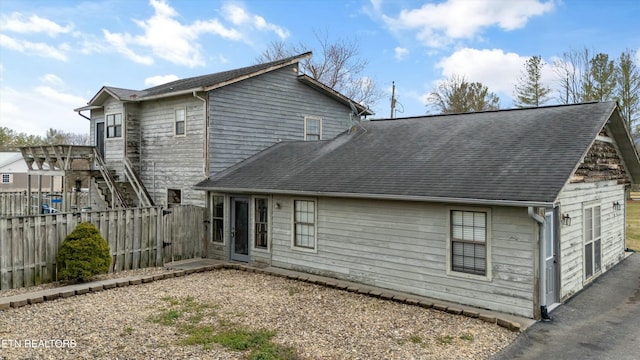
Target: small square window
x=6 y=178
x=180 y=120
x=114 y=125
x=174 y=197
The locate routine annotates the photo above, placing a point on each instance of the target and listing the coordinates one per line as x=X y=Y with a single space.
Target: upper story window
x=114 y=125
x=6 y=178
x=312 y=128
x=468 y=236
x=180 y=122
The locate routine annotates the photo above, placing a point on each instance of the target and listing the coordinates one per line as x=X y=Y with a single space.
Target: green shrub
x=83 y=254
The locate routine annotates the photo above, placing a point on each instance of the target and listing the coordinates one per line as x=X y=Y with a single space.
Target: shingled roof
x=518 y=156
x=213 y=81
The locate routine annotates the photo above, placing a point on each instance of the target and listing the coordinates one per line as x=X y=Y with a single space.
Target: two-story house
x=174 y=135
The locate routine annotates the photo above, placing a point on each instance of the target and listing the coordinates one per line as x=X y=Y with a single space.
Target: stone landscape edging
x=20 y=300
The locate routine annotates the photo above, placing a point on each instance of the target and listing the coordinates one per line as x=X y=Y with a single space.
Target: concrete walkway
x=601 y=322
x=186 y=267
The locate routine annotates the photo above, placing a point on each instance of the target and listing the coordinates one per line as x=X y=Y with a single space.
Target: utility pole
x=393 y=98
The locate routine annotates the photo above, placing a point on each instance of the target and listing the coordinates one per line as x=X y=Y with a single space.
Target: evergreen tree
x=529 y=91
x=628 y=88
x=602 y=79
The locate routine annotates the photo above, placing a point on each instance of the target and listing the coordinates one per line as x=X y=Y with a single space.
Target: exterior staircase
x=60 y=160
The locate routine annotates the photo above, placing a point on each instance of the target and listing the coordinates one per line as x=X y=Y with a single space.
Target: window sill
x=303 y=249
x=462 y=275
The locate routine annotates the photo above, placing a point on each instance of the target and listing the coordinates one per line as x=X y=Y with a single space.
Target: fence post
x=159 y=237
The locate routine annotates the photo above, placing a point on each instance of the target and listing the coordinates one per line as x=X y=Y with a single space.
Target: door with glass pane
x=240 y=229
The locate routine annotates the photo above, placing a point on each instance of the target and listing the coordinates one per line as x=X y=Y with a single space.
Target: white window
x=114 y=125
x=217 y=218
x=592 y=241
x=7 y=178
x=261 y=220
x=312 y=128
x=304 y=223
x=468 y=236
x=180 y=122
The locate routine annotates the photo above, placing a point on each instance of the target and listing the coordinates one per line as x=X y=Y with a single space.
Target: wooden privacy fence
x=137 y=238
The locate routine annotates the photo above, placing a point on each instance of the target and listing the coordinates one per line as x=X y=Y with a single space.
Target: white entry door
x=551 y=259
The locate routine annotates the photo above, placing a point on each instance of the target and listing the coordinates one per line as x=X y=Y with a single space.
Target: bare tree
x=337 y=64
x=529 y=90
x=457 y=95
x=570 y=69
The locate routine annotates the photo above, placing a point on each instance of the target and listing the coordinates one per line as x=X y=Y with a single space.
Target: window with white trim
x=469 y=242
x=180 y=122
x=312 y=128
x=7 y=178
x=114 y=125
x=174 y=197
x=304 y=223
x=261 y=220
x=217 y=218
x=592 y=241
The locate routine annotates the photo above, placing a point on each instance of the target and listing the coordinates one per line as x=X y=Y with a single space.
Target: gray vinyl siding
x=169 y=161
x=403 y=246
x=251 y=115
x=114 y=147
x=572 y=200
x=133 y=134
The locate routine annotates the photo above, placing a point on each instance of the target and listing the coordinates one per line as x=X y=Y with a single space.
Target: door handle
x=233 y=232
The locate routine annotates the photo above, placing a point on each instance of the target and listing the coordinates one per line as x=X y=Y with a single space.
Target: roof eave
x=170 y=94
x=451 y=200
x=259 y=72
x=334 y=94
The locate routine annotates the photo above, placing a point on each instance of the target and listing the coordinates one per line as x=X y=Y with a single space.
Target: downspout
x=205 y=150
x=543 y=279
x=80 y=113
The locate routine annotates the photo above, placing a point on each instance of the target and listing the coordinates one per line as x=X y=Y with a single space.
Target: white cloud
x=18 y=113
x=17 y=22
x=32 y=48
x=239 y=16
x=401 y=53
x=159 y=80
x=498 y=70
x=167 y=38
x=119 y=43
x=438 y=24
x=51 y=79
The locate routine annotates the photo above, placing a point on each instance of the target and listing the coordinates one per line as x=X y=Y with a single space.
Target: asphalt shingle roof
x=521 y=155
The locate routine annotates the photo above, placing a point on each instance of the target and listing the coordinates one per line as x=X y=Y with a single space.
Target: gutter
x=381 y=197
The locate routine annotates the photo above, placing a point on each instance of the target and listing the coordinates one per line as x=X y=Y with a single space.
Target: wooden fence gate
x=138 y=238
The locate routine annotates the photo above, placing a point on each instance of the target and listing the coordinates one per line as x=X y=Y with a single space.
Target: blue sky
x=55 y=55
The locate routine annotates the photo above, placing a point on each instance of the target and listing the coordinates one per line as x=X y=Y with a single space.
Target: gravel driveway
x=145 y=321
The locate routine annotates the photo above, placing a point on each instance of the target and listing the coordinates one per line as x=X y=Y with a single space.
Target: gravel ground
x=318 y=322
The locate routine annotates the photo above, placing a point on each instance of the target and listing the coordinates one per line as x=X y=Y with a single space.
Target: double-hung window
x=312 y=128
x=217 y=218
x=180 y=122
x=592 y=241
x=469 y=242
x=114 y=125
x=261 y=220
x=304 y=222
